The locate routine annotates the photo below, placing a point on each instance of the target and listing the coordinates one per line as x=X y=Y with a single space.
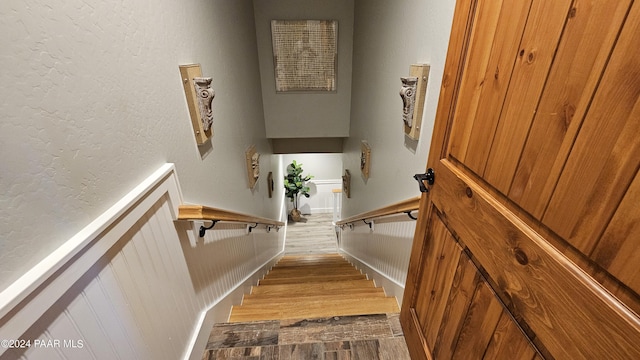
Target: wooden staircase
x=312 y=286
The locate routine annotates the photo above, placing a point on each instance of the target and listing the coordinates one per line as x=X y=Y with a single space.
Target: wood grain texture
x=301 y=279
x=539 y=42
x=491 y=78
x=315 y=235
x=451 y=79
x=508 y=342
x=571 y=314
x=571 y=68
x=479 y=324
x=617 y=250
x=462 y=290
x=397 y=208
x=442 y=261
x=200 y=212
x=583 y=52
x=485 y=23
x=608 y=142
x=308 y=287
x=317 y=288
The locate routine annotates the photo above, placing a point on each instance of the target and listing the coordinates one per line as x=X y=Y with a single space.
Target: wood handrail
x=397 y=208
x=199 y=212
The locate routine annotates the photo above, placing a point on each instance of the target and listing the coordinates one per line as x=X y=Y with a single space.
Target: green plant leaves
x=294 y=183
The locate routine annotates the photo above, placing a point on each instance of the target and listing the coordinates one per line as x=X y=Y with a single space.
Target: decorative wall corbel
x=413 y=91
x=252 y=159
x=365 y=159
x=199 y=94
x=408 y=95
x=346 y=183
x=205 y=97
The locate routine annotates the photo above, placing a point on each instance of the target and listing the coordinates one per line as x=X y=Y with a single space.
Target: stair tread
x=311 y=259
x=312 y=287
x=314 y=309
x=312 y=266
x=266 y=298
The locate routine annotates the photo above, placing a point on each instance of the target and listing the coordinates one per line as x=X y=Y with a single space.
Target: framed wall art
x=305 y=54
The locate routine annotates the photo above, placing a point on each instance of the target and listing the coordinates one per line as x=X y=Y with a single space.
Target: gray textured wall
x=389 y=36
x=291 y=115
x=92 y=103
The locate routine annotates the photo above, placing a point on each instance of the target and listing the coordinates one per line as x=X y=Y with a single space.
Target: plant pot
x=296 y=215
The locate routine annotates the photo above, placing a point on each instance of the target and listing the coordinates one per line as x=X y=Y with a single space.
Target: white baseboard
x=390 y=286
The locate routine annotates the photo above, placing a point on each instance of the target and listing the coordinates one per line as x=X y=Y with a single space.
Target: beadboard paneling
x=321 y=199
x=146 y=296
x=382 y=253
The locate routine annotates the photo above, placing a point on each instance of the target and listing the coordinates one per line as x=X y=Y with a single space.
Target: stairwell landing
x=311 y=305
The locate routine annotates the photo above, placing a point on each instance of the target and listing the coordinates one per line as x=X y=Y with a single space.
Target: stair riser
x=250 y=299
x=310 y=279
x=307 y=293
x=313 y=287
x=314 y=309
x=306 y=273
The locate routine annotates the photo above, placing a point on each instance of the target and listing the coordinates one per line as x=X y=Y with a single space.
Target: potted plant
x=295 y=185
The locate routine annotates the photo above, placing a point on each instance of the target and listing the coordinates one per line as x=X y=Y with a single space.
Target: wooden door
x=528 y=242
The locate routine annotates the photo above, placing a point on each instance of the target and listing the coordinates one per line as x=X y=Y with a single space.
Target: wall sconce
x=199 y=94
x=413 y=91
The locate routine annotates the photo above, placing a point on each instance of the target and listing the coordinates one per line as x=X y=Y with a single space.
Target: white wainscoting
x=382 y=253
x=321 y=199
x=132 y=286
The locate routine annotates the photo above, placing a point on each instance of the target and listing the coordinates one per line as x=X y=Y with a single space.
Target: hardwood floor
x=312 y=286
x=315 y=235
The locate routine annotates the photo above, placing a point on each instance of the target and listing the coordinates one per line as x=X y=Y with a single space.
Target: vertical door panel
x=591 y=32
x=479 y=324
x=509 y=342
x=494 y=50
x=462 y=291
x=540 y=40
x=617 y=251
x=441 y=258
x=606 y=154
